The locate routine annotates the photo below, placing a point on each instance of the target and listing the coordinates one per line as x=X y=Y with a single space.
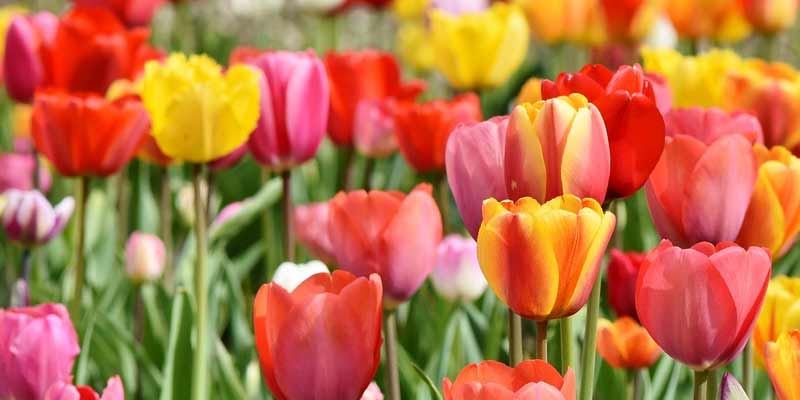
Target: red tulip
x=388 y=233
x=132 y=12
x=623 y=269
x=635 y=127
x=84 y=134
x=321 y=341
x=700 y=304
x=423 y=129
x=361 y=75
x=491 y=380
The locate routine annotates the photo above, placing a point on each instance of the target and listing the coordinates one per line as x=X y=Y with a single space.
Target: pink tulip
x=16 y=172
x=145 y=256
x=701 y=186
x=38 y=346
x=24 y=67
x=311 y=230
x=662 y=92
x=29 y=218
x=457 y=275
x=700 y=304
x=294 y=108
x=373 y=392
x=373 y=128
x=66 y=391
x=227 y=213
x=474 y=161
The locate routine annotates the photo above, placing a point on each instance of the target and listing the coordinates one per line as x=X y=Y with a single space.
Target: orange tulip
x=783 y=365
x=625 y=344
x=542 y=260
x=780 y=313
x=770 y=16
x=322 y=340
x=628 y=21
x=702 y=18
x=531 y=379
x=773 y=215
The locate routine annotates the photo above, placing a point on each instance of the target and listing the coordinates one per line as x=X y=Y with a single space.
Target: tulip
x=393 y=235
x=7 y=15
x=696 y=19
x=414 y=46
x=623 y=269
x=373 y=392
x=28 y=218
x=634 y=125
x=65 y=391
x=293 y=109
x=531 y=379
x=457 y=275
x=290 y=275
x=184 y=201
x=629 y=21
x=662 y=35
x=673 y=296
x=311 y=229
x=361 y=75
x=709 y=124
x=83 y=134
x=145 y=257
x=38 y=347
x=374 y=128
x=780 y=314
x=26 y=42
x=16 y=172
x=542 y=260
x=475 y=171
x=423 y=129
x=770 y=16
x=773 y=216
x=783 y=365
x=227 y=213
x=199 y=113
x=322 y=340
x=625 y=344
x=564 y=20
x=459 y=7
x=229 y=160
x=531 y=91
x=554 y=147
x=701 y=187
x=731 y=389
x=132 y=12
x=500 y=32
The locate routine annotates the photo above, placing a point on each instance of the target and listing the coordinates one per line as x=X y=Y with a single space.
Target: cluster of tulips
x=529 y=201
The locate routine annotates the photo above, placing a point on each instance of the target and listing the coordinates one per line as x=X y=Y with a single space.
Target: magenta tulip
x=294 y=108
x=16 y=172
x=474 y=161
x=27 y=39
x=38 y=346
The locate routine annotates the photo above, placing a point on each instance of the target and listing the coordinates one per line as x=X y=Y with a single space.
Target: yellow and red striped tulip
x=626 y=344
x=783 y=365
x=779 y=314
x=542 y=260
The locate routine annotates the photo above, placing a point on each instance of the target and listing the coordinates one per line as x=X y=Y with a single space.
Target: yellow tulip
x=410 y=9
x=21 y=120
x=542 y=260
x=479 y=50
x=531 y=91
x=779 y=314
x=198 y=113
x=783 y=365
x=414 y=45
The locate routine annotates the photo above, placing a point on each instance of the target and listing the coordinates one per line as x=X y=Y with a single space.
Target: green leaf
x=178 y=364
x=227 y=370
x=427 y=380
x=82 y=367
x=251 y=209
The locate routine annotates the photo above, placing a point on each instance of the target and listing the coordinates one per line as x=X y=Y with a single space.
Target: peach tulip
x=783 y=365
x=625 y=344
x=531 y=379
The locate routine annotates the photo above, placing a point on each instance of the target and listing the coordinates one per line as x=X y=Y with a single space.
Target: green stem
x=541 y=340
x=566 y=344
x=514 y=338
x=588 y=355
x=165 y=215
x=268 y=234
x=443 y=194
x=700 y=382
x=392 y=372
x=200 y=371
x=80 y=236
x=369 y=166
x=637 y=384
x=288 y=229
x=712 y=385
x=747 y=368
x=630 y=384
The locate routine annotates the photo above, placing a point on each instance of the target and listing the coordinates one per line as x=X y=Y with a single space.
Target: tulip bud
x=184 y=201
x=457 y=275
x=374 y=129
x=227 y=212
x=290 y=275
x=23 y=67
x=625 y=344
x=311 y=229
x=373 y=392
x=28 y=218
x=144 y=257
x=623 y=269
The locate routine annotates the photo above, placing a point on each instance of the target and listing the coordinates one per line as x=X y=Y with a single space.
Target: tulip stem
x=541 y=340
x=80 y=235
x=443 y=194
x=712 y=385
x=747 y=368
x=288 y=229
x=268 y=233
x=700 y=382
x=200 y=370
x=634 y=384
x=392 y=373
x=590 y=335
x=514 y=338
x=369 y=166
x=566 y=344
x=165 y=216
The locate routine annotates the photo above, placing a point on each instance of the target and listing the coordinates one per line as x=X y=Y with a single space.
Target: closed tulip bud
x=16 y=172
x=542 y=260
x=293 y=109
x=623 y=270
x=29 y=219
x=783 y=365
x=673 y=292
x=322 y=340
x=7 y=15
x=423 y=128
x=26 y=41
x=625 y=344
x=475 y=167
x=199 y=113
x=457 y=275
x=227 y=213
x=311 y=229
x=388 y=233
x=731 y=389
x=184 y=201
x=373 y=392
x=781 y=313
x=66 y=391
x=131 y=12
x=770 y=16
x=557 y=146
x=701 y=187
x=531 y=379
x=37 y=349
x=290 y=275
x=374 y=128
x=144 y=257
x=500 y=32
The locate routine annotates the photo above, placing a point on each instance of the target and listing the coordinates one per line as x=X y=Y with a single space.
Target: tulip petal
x=764 y=223
x=538 y=391
x=586 y=161
x=525 y=170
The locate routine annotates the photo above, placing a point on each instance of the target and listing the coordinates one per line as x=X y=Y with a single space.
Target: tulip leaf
x=178 y=363
x=251 y=209
x=82 y=366
x=228 y=373
x=425 y=378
